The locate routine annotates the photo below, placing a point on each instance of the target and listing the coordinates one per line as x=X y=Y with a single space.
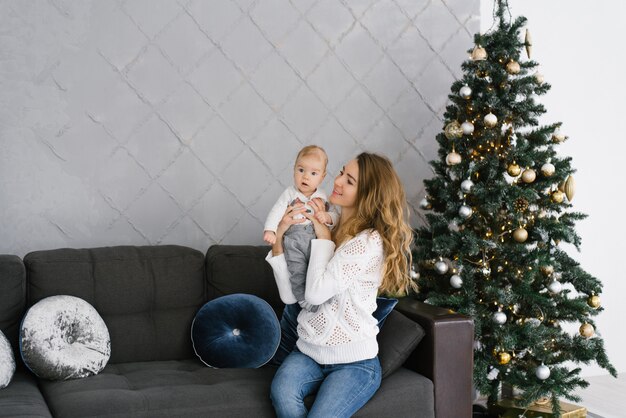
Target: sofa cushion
x=396 y=341
x=189 y=389
x=147 y=296
x=64 y=337
x=236 y=331
x=22 y=398
x=12 y=297
x=7 y=361
x=241 y=269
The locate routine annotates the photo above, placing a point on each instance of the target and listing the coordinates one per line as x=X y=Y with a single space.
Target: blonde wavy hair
x=381 y=205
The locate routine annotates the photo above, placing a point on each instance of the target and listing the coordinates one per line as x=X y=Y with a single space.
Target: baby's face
x=308 y=174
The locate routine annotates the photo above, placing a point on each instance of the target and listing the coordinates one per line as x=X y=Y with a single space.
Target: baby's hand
x=324 y=217
x=269 y=237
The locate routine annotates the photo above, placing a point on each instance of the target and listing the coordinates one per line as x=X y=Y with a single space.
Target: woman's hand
x=321 y=230
x=284 y=224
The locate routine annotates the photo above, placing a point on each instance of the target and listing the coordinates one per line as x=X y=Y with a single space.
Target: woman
x=368 y=253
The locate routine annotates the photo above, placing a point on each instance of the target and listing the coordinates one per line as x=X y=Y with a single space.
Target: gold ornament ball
x=520 y=234
x=514 y=170
x=594 y=301
x=453 y=158
x=503 y=357
x=558 y=137
x=547 y=270
x=453 y=130
x=586 y=330
x=479 y=53
x=557 y=196
x=529 y=175
x=539 y=78
x=569 y=188
x=513 y=67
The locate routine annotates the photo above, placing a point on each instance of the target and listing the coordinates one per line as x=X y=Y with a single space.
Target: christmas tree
x=498 y=208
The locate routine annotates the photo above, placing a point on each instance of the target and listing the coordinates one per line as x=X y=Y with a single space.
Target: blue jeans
x=342 y=389
x=288 y=333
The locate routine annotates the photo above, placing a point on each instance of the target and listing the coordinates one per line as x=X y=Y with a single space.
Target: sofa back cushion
x=12 y=297
x=147 y=296
x=241 y=269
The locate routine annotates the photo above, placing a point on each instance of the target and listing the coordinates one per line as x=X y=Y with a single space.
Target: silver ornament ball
x=465 y=92
x=465 y=211
x=441 y=267
x=456 y=281
x=555 y=286
x=542 y=372
x=467 y=185
x=467 y=127
x=499 y=318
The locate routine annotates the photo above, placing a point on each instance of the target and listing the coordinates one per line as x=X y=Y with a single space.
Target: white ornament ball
x=499 y=318
x=467 y=185
x=453 y=158
x=467 y=127
x=548 y=169
x=441 y=267
x=465 y=211
x=456 y=281
x=539 y=77
x=555 y=286
x=425 y=204
x=414 y=275
x=542 y=372
x=465 y=92
x=490 y=120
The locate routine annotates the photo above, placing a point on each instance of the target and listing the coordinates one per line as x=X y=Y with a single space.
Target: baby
x=308 y=173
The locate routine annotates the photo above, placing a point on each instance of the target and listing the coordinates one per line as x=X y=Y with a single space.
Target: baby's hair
x=313 y=150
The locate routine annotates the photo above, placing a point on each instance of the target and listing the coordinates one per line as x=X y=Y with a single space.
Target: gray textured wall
x=157 y=122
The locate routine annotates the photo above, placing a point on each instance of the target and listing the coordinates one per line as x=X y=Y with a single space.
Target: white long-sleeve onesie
x=288 y=196
x=345 y=284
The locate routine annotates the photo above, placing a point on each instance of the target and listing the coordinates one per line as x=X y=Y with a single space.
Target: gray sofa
x=148 y=297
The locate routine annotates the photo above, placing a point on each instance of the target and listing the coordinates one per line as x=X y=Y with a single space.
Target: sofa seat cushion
x=187 y=388
x=22 y=397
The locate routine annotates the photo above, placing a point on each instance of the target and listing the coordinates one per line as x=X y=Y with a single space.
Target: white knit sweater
x=345 y=284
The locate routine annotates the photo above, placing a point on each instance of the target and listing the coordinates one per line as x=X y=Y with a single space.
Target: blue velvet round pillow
x=236 y=330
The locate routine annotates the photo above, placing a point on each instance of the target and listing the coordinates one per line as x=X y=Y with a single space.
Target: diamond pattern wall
x=177 y=122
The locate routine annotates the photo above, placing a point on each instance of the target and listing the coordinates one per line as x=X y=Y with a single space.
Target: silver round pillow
x=64 y=337
x=7 y=361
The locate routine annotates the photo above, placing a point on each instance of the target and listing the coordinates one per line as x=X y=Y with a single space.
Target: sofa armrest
x=445 y=355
